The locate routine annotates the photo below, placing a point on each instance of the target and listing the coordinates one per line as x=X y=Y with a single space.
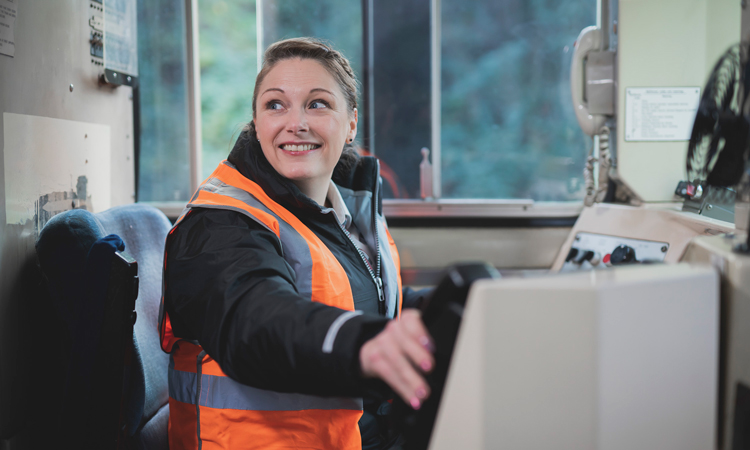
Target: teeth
x=299 y=148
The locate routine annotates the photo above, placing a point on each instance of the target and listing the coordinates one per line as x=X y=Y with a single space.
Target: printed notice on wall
x=8 y=9
x=660 y=114
x=121 y=36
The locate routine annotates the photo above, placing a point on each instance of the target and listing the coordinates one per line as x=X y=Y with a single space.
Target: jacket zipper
x=378 y=279
x=374 y=274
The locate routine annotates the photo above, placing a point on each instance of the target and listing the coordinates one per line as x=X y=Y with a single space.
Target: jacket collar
x=248 y=158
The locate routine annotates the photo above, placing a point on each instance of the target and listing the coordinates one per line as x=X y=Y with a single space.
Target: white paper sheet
x=8 y=11
x=660 y=113
x=53 y=165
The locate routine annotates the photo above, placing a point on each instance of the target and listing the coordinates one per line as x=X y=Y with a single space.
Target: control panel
x=591 y=251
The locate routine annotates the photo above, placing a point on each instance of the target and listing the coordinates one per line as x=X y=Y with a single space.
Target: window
x=507 y=129
x=401 y=107
x=161 y=103
x=228 y=65
x=507 y=125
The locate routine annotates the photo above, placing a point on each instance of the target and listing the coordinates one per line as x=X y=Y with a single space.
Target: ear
x=353 y=126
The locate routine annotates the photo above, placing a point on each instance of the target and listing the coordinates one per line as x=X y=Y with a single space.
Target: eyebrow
x=272 y=89
x=311 y=90
x=321 y=89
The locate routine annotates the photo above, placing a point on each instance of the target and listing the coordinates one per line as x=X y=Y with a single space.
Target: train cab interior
x=572 y=177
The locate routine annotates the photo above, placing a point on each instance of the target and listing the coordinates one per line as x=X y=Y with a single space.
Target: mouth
x=297 y=148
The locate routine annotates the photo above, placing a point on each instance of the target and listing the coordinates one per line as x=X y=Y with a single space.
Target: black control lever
x=441 y=313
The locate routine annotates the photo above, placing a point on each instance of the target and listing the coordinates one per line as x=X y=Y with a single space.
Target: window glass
x=401 y=91
x=508 y=126
x=162 y=102
x=228 y=63
x=508 y=129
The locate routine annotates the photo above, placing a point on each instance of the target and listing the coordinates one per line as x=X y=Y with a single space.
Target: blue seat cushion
x=62 y=248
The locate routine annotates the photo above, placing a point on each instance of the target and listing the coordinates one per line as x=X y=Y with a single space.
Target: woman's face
x=302 y=122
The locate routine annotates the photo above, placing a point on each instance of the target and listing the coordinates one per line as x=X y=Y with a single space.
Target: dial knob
x=572 y=254
x=623 y=254
x=594 y=258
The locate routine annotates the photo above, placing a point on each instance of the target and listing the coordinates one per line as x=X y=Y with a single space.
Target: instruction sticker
x=121 y=36
x=660 y=114
x=8 y=9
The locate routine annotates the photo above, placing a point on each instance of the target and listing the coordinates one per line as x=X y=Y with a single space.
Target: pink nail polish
x=425 y=341
x=415 y=403
x=426 y=366
x=421 y=393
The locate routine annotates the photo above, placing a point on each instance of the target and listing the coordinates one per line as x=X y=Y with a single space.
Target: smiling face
x=302 y=122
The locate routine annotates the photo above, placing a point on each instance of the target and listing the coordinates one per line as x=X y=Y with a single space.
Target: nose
x=297 y=121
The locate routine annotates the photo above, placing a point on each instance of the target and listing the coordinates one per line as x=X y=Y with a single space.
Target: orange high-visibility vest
x=209 y=410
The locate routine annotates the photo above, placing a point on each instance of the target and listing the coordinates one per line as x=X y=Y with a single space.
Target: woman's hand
x=399 y=355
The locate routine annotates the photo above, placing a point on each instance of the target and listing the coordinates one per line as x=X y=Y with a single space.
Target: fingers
x=417 y=341
x=405 y=360
x=400 y=355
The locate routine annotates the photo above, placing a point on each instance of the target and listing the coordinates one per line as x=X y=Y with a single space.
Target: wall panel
x=51 y=76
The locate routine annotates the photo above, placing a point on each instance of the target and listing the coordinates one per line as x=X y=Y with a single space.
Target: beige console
x=611 y=359
x=734 y=368
x=665 y=223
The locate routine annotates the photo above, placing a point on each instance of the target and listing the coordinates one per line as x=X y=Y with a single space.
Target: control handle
x=624 y=254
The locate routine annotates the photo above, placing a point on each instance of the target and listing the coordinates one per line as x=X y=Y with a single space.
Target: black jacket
x=228 y=287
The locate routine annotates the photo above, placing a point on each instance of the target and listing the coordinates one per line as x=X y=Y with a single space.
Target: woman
x=280 y=283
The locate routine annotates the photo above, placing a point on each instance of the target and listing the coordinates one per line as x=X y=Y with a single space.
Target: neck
x=315 y=189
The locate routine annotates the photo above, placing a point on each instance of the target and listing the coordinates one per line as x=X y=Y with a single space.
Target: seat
x=65 y=258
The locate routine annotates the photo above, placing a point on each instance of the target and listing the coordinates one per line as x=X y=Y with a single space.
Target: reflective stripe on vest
x=224 y=393
x=213 y=411
x=209 y=410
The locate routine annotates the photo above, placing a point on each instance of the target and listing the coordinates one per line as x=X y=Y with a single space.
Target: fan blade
x=745 y=74
x=713 y=147
x=703 y=126
x=731 y=162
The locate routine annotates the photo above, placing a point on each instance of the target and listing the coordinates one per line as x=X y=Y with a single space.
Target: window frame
x=194 y=93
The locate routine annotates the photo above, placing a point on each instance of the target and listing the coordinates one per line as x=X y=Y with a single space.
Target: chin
x=298 y=175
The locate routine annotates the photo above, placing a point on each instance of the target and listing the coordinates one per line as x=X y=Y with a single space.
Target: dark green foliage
x=228 y=61
x=508 y=128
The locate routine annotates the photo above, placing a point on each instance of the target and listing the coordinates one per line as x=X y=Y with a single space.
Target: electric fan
x=718 y=147
x=719 y=142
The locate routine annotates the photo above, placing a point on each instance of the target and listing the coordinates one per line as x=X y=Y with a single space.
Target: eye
x=273 y=104
x=317 y=104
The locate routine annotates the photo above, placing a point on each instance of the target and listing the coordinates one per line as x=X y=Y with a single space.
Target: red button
x=605 y=260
